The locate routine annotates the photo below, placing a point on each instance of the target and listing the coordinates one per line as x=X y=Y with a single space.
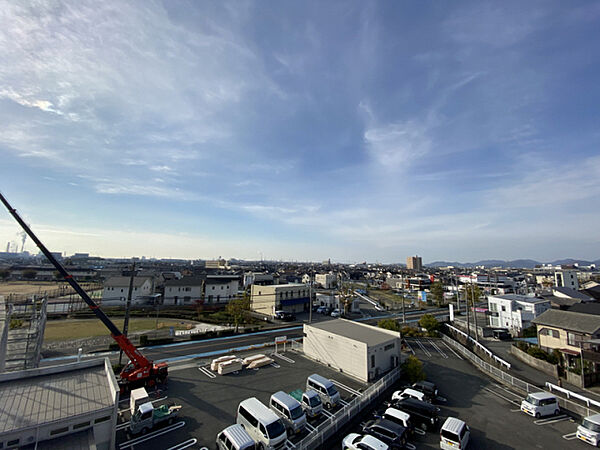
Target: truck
x=137 y=398
x=310 y=401
x=146 y=417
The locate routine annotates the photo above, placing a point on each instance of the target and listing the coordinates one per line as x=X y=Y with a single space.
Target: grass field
x=60 y=330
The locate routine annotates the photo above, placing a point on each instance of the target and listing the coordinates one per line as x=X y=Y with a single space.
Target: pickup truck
x=310 y=401
x=147 y=417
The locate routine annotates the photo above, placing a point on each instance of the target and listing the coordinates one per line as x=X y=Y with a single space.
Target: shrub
x=389 y=324
x=412 y=369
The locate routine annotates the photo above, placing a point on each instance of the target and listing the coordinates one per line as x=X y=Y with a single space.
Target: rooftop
x=358 y=331
x=124 y=281
x=519 y=298
x=569 y=320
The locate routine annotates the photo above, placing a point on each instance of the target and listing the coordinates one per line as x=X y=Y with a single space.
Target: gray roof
x=37 y=396
x=124 y=281
x=361 y=332
x=572 y=293
x=569 y=320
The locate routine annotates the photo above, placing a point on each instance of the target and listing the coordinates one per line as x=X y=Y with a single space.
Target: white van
x=290 y=410
x=235 y=437
x=262 y=424
x=454 y=434
x=589 y=430
x=540 y=404
x=409 y=393
x=325 y=388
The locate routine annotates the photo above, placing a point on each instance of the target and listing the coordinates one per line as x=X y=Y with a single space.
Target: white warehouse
x=362 y=351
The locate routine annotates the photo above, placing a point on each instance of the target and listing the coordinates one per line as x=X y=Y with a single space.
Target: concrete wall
x=544 y=366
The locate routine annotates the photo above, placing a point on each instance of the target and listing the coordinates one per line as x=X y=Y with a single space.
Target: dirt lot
x=28 y=287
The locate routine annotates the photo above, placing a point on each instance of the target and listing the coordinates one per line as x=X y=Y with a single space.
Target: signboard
x=280 y=339
x=423 y=296
x=451 y=306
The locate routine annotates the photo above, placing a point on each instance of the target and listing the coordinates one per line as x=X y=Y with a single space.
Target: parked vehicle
x=310 y=401
x=410 y=393
x=137 y=397
x=325 y=388
x=539 y=404
x=321 y=309
x=235 y=437
x=399 y=417
x=290 y=410
x=147 y=417
x=336 y=313
x=262 y=424
x=454 y=434
x=501 y=334
x=279 y=314
x=589 y=430
x=424 y=415
x=355 y=441
x=391 y=433
x=288 y=317
x=427 y=387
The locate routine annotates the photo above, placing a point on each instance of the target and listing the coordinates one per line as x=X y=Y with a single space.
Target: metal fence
x=481 y=347
x=327 y=429
x=523 y=386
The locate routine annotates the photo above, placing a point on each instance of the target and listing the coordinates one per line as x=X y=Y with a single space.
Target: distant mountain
x=581 y=262
x=517 y=263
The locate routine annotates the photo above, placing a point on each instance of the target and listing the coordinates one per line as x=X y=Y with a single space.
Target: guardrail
x=569 y=394
x=481 y=347
x=327 y=429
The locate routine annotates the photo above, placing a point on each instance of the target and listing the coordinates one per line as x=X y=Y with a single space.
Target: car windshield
x=275 y=429
x=589 y=425
x=331 y=391
x=296 y=413
x=315 y=401
x=532 y=400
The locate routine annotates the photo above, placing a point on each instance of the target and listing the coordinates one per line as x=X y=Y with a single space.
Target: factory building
x=70 y=406
x=362 y=351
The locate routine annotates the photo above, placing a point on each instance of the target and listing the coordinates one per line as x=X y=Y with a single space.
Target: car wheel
x=144 y=430
x=328 y=405
x=425 y=426
x=557 y=412
x=537 y=415
x=261 y=446
x=170 y=421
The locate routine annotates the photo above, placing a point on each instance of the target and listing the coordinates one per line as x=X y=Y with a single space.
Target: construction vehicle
x=147 y=417
x=139 y=371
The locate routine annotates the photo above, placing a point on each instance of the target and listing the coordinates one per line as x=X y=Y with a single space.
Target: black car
x=424 y=415
x=386 y=431
x=288 y=317
x=427 y=388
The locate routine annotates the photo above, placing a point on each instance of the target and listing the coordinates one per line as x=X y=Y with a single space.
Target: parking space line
x=289 y=444
x=207 y=372
x=499 y=386
x=122 y=426
x=423 y=347
x=184 y=444
x=550 y=420
x=452 y=350
x=501 y=396
x=152 y=435
x=570 y=436
x=343 y=402
x=310 y=427
x=419 y=431
x=285 y=358
x=409 y=347
x=347 y=388
x=434 y=345
x=515 y=410
x=328 y=414
x=274 y=364
x=409 y=446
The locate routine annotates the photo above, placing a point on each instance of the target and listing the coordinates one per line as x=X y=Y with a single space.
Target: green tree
x=389 y=324
x=238 y=309
x=437 y=291
x=4 y=274
x=412 y=369
x=29 y=274
x=473 y=293
x=430 y=323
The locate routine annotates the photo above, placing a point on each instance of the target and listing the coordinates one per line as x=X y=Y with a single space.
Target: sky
x=354 y=130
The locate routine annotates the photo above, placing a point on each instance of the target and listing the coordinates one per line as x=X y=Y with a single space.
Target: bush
x=412 y=369
x=407 y=331
x=15 y=323
x=389 y=324
x=143 y=340
x=430 y=323
x=523 y=346
x=530 y=332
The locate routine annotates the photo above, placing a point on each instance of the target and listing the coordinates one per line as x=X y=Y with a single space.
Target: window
x=503 y=308
x=59 y=431
x=13 y=442
x=249 y=417
x=388 y=347
x=81 y=425
x=571 y=339
x=102 y=419
x=372 y=361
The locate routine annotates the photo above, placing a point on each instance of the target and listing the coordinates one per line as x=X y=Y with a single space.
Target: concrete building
x=221 y=288
x=207 y=289
x=72 y=406
x=362 y=351
x=566 y=278
x=292 y=298
x=251 y=278
x=326 y=280
x=414 y=263
x=515 y=312
x=116 y=290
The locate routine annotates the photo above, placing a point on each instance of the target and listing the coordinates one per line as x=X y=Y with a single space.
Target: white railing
x=481 y=347
x=318 y=437
x=569 y=394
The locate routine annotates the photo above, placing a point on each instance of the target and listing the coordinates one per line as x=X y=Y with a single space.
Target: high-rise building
x=414 y=263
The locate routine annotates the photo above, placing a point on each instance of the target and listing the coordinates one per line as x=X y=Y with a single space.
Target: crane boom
x=125 y=344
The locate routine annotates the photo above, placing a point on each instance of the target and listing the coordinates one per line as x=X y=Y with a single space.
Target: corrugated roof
x=365 y=333
x=569 y=320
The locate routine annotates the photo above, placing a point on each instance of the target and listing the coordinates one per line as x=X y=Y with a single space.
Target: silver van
x=235 y=437
x=454 y=434
x=262 y=424
x=290 y=410
x=325 y=388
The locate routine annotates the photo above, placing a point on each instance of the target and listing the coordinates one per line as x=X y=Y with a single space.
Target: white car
x=355 y=441
x=409 y=393
x=336 y=313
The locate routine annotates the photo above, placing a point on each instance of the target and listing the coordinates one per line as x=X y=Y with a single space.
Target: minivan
x=409 y=393
x=262 y=424
x=391 y=433
x=325 y=388
x=235 y=437
x=454 y=434
x=424 y=415
x=540 y=404
x=400 y=417
x=589 y=430
x=427 y=387
x=290 y=410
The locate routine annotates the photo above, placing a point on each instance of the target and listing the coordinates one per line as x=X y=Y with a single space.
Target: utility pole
x=127 y=307
x=467 y=308
x=310 y=297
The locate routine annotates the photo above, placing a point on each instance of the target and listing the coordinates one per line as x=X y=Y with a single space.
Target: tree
x=412 y=368
x=389 y=324
x=238 y=309
x=4 y=274
x=437 y=291
x=29 y=274
x=473 y=293
x=430 y=323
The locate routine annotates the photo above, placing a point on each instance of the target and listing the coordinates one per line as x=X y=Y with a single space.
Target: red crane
x=140 y=371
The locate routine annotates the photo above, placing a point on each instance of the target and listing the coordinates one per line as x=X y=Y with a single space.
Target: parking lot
x=210 y=401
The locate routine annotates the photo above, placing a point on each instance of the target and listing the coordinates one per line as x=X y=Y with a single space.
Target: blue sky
x=303 y=130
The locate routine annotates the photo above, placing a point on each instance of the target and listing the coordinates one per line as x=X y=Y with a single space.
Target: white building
x=362 y=351
x=221 y=288
x=515 y=312
x=326 y=280
x=293 y=297
x=209 y=289
x=116 y=290
x=566 y=278
x=257 y=278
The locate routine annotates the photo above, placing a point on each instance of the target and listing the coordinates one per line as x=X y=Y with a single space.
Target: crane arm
x=125 y=344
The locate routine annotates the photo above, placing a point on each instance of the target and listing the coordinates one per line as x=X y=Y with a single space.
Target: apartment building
x=292 y=298
x=515 y=312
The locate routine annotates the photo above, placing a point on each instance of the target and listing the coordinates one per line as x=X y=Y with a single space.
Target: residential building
x=206 y=289
x=356 y=349
x=257 y=278
x=221 y=288
x=326 y=280
x=414 y=263
x=515 y=312
x=116 y=290
x=566 y=278
x=292 y=298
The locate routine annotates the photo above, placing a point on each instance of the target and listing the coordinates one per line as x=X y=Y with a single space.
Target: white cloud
x=397 y=144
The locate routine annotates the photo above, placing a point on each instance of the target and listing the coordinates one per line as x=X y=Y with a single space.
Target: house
x=326 y=280
x=207 y=289
x=515 y=312
x=566 y=278
x=292 y=298
x=116 y=291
